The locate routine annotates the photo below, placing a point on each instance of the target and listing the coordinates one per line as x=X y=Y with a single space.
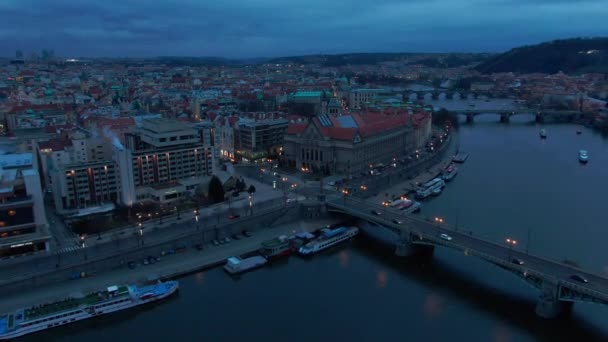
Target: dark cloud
x=239 y=28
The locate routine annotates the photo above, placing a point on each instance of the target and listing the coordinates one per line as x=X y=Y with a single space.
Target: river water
x=513 y=185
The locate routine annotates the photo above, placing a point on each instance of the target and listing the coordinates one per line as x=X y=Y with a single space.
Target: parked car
x=232 y=217
x=395 y=221
x=215 y=243
x=236 y=237
x=131 y=264
x=198 y=247
x=227 y=239
x=246 y=233
x=375 y=212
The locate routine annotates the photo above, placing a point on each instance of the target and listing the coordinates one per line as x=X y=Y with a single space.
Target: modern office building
x=23 y=225
x=259 y=139
x=162 y=161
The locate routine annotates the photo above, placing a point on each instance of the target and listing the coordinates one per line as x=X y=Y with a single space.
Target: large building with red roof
x=351 y=143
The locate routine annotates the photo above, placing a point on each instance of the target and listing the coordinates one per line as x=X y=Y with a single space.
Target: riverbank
x=172 y=266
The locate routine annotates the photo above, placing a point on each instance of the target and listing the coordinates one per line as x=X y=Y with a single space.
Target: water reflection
x=381 y=279
x=501 y=334
x=433 y=305
x=344 y=259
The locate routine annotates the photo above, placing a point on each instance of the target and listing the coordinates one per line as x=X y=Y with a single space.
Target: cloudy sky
x=268 y=28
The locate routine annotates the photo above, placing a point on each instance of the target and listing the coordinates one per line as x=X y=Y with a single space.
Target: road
x=597 y=285
x=27 y=267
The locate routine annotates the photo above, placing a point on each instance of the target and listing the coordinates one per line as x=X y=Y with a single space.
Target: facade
x=259 y=139
x=358 y=97
x=81 y=174
x=162 y=161
x=349 y=144
x=23 y=225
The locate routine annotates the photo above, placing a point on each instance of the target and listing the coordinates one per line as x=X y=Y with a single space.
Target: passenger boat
x=73 y=309
x=236 y=265
x=424 y=193
x=277 y=247
x=543 y=134
x=583 y=156
x=328 y=238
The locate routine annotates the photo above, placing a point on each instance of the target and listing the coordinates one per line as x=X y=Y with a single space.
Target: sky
x=272 y=28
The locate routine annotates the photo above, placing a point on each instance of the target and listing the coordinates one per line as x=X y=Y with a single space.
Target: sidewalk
x=169 y=266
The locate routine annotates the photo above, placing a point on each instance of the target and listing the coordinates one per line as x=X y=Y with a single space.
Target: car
x=246 y=233
x=233 y=217
x=395 y=221
x=446 y=237
x=235 y=237
x=289 y=200
x=578 y=278
x=227 y=240
x=375 y=212
x=131 y=264
x=517 y=261
x=198 y=247
x=215 y=242
x=221 y=241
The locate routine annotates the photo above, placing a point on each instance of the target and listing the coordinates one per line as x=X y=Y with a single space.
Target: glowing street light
x=363 y=187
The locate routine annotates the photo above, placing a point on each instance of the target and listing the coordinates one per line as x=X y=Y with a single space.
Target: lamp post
x=83 y=245
x=345 y=193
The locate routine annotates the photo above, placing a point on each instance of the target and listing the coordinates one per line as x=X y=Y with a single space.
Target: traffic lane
x=531 y=262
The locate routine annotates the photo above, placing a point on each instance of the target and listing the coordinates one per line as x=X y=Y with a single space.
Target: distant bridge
x=558 y=290
x=505 y=115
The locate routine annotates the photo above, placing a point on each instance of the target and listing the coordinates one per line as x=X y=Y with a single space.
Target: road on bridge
x=597 y=286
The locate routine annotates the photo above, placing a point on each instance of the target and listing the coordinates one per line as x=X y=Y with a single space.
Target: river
x=513 y=185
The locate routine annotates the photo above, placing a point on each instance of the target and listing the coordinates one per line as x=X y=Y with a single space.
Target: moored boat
x=449 y=173
x=73 y=309
x=583 y=156
x=277 y=247
x=236 y=265
x=328 y=238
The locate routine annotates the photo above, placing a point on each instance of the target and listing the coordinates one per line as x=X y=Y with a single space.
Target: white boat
x=328 y=238
x=435 y=182
x=73 y=309
x=236 y=265
x=583 y=156
x=543 y=133
x=412 y=207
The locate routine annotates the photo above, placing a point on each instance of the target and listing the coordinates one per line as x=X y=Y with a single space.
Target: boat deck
x=274 y=243
x=69 y=304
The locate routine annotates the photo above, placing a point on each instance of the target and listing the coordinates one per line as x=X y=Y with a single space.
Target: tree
x=251 y=190
x=216 y=190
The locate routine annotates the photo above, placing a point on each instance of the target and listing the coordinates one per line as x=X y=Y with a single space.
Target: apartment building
x=161 y=161
x=259 y=139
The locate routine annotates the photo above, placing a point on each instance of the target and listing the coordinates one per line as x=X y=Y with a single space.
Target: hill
x=579 y=55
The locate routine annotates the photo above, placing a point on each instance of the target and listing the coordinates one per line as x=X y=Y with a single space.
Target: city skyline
x=269 y=28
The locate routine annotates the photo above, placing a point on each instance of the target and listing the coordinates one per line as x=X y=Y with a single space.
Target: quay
x=173 y=266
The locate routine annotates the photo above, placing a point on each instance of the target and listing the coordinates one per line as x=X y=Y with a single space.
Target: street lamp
x=345 y=193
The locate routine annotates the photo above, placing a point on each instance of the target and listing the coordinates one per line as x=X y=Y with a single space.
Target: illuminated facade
x=163 y=161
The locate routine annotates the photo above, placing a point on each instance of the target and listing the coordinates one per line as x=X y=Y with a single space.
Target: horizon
x=271 y=29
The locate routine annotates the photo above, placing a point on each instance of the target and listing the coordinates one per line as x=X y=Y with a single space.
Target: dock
x=461 y=157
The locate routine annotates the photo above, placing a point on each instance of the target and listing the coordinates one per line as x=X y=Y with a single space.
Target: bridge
x=558 y=291
x=505 y=115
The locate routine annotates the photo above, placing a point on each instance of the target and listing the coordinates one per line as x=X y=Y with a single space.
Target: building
x=349 y=144
x=162 y=161
x=80 y=173
x=358 y=97
x=23 y=225
x=259 y=139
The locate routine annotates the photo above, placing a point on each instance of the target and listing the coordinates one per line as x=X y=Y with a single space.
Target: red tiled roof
x=296 y=128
